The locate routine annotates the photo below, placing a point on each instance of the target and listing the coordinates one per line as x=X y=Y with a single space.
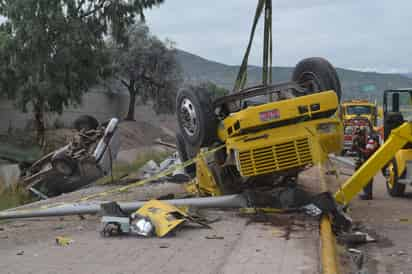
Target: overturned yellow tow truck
x=263 y=131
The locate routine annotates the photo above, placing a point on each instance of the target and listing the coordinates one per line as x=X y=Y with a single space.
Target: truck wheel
x=184 y=156
x=85 y=122
x=317 y=74
x=195 y=116
x=394 y=188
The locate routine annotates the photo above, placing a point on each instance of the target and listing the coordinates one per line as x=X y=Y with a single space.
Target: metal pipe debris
x=342 y=160
x=227 y=201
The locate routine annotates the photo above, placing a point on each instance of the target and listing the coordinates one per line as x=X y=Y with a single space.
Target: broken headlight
x=141 y=225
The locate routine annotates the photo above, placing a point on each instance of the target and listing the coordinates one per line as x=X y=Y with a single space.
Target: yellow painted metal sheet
x=286 y=147
x=283 y=110
x=205 y=180
x=165 y=217
x=402 y=156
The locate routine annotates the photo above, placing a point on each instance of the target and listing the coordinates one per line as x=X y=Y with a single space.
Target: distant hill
x=355 y=84
x=409 y=75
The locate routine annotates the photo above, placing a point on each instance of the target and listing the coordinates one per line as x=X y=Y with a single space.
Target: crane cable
x=241 y=78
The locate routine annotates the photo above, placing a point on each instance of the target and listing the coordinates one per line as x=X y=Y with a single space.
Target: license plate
x=269 y=115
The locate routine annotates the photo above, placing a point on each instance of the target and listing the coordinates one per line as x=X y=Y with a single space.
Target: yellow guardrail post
x=328 y=247
x=329 y=258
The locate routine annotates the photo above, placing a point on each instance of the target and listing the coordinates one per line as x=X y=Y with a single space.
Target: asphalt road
x=235 y=245
x=283 y=244
x=389 y=220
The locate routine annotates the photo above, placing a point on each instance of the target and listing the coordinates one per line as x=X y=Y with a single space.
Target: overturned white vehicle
x=86 y=158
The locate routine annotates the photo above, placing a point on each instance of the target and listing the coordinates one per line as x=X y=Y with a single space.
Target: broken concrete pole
x=227 y=201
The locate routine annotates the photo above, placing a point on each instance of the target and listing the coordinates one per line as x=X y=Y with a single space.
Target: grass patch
x=14 y=196
x=123 y=170
x=19 y=154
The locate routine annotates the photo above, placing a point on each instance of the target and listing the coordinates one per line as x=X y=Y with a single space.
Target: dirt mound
x=136 y=134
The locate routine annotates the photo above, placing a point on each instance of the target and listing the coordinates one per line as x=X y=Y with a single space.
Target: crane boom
x=399 y=138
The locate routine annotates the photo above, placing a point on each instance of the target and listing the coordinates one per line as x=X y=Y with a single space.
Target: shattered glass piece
x=312 y=210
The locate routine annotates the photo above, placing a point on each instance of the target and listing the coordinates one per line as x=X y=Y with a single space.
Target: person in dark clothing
x=365 y=146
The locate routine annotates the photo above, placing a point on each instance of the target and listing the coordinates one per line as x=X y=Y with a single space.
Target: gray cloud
x=368 y=34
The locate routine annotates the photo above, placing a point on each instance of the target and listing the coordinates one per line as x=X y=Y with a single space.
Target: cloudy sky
x=372 y=35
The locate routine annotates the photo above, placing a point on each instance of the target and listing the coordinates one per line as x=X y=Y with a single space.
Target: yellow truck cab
x=359 y=108
x=295 y=127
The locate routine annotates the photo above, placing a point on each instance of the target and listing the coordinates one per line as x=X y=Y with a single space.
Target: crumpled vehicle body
x=87 y=157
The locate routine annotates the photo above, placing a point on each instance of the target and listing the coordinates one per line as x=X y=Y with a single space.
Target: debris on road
x=21 y=252
x=355 y=238
x=159 y=141
x=401 y=252
x=164 y=217
x=142 y=226
x=214 y=237
x=114 y=220
x=357 y=257
x=151 y=168
x=312 y=210
x=405 y=220
x=153 y=218
x=112 y=226
x=63 y=241
x=18 y=225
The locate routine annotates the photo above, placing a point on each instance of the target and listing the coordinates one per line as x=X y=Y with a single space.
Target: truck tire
x=184 y=155
x=394 y=188
x=195 y=116
x=85 y=122
x=317 y=74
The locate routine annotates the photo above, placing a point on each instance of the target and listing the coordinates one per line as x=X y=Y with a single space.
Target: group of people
x=364 y=144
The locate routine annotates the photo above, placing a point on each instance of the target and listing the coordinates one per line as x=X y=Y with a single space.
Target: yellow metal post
x=328 y=247
x=329 y=258
x=398 y=138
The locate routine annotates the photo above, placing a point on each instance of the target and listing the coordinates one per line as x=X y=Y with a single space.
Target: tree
x=215 y=90
x=147 y=68
x=53 y=51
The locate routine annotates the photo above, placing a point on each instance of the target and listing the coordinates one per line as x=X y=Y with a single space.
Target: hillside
x=355 y=84
x=409 y=75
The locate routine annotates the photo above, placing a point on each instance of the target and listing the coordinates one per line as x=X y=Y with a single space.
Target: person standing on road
x=365 y=145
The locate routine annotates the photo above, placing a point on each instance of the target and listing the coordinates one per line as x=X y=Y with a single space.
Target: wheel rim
x=188 y=117
x=309 y=81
